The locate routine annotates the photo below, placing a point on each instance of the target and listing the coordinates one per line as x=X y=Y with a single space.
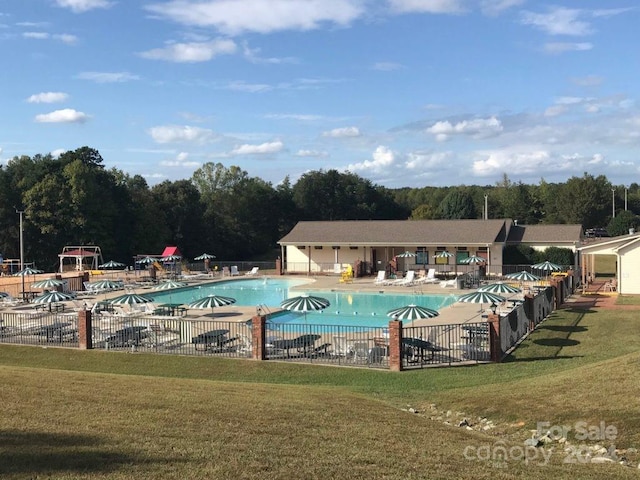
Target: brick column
x=258 y=332
x=494 y=337
x=84 y=330
x=278 y=266
x=395 y=345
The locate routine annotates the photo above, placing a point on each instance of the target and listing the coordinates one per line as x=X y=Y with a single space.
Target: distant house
x=626 y=249
x=326 y=246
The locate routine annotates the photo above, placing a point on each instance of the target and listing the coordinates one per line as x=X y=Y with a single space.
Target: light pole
x=613 y=198
x=21 y=213
x=625 y=197
x=486 y=207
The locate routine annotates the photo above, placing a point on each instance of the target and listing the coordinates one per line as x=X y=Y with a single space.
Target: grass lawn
x=69 y=414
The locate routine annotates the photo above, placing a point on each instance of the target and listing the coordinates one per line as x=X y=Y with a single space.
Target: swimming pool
x=347 y=308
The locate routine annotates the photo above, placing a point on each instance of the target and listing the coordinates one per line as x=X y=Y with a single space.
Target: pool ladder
x=262 y=308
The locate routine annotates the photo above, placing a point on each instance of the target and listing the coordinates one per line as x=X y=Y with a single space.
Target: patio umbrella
x=412 y=312
x=171 y=258
x=52 y=297
x=406 y=254
x=4 y=295
x=130 y=299
x=212 y=301
x=111 y=264
x=305 y=303
x=473 y=260
x=547 y=266
x=49 y=283
x=443 y=254
x=27 y=271
x=205 y=256
x=499 y=288
x=481 y=297
x=146 y=261
x=523 y=276
x=168 y=284
x=105 y=285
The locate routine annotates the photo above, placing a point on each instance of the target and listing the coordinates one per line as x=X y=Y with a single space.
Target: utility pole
x=613 y=198
x=486 y=207
x=625 y=198
x=21 y=213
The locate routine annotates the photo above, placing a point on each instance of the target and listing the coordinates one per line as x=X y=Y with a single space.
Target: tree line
x=74 y=200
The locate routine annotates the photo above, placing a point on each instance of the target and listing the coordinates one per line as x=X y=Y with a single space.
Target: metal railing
x=39 y=329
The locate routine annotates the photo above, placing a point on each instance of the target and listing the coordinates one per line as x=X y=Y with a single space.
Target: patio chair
x=430 y=277
x=381 y=278
x=408 y=280
x=234 y=270
x=253 y=271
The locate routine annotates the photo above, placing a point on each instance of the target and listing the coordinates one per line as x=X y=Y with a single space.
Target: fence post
x=84 y=330
x=495 y=345
x=278 y=266
x=258 y=332
x=395 y=345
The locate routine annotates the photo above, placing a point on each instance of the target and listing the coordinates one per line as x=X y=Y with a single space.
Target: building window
x=422 y=256
x=317 y=248
x=353 y=248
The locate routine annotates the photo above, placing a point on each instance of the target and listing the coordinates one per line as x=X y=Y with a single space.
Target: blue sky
x=402 y=92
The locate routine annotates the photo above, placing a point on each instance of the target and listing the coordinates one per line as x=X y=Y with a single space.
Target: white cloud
x=234 y=17
x=36 y=35
x=383 y=159
x=557 y=48
x=108 y=77
x=66 y=115
x=559 y=21
x=63 y=37
x=268 y=147
x=428 y=6
x=81 y=6
x=420 y=161
x=48 y=97
x=386 y=66
x=192 y=52
x=342 y=132
x=555 y=110
x=253 y=56
x=249 y=87
x=522 y=159
x=496 y=7
x=181 y=160
x=311 y=153
x=294 y=116
x=57 y=152
x=477 y=128
x=66 y=38
x=181 y=133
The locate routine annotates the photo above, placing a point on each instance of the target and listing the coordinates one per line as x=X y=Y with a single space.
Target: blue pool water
x=347 y=308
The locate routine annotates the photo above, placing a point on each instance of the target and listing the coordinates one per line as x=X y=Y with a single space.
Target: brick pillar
x=258 y=332
x=279 y=266
x=395 y=345
x=557 y=292
x=494 y=337
x=84 y=330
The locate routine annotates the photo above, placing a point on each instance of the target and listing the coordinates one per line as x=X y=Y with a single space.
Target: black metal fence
x=39 y=329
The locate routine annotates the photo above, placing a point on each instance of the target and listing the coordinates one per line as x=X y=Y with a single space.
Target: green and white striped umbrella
x=205 y=256
x=499 y=288
x=443 y=254
x=111 y=264
x=169 y=284
x=412 y=312
x=406 y=254
x=105 y=285
x=473 y=260
x=147 y=261
x=547 y=266
x=53 y=297
x=481 y=297
x=48 y=283
x=27 y=271
x=171 y=258
x=523 y=276
x=305 y=303
x=130 y=299
x=212 y=301
x=4 y=295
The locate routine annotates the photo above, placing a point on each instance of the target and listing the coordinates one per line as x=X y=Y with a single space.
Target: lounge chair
x=303 y=344
x=408 y=280
x=381 y=278
x=234 y=270
x=253 y=271
x=430 y=277
x=452 y=283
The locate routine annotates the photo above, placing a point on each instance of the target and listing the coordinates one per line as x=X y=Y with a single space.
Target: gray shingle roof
x=540 y=234
x=397 y=232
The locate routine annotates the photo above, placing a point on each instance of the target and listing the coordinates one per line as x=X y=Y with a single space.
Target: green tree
x=585 y=200
x=622 y=222
x=458 y=204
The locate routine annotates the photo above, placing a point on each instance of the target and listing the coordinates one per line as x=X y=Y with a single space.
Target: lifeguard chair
x=347 y=275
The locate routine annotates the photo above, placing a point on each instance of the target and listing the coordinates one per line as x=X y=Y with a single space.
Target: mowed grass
x=95 y=414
